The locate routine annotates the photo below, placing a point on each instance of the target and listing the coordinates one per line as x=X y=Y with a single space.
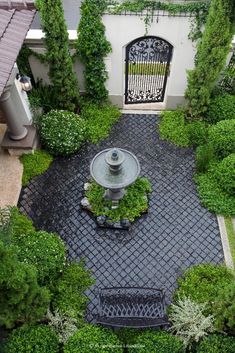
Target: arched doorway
x=146 y=69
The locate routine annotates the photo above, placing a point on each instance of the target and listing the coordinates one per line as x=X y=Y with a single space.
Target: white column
x=16 y=129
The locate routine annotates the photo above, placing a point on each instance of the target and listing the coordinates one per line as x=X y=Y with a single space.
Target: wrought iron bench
x=132 y=307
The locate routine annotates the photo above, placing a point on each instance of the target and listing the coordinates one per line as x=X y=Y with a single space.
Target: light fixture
x=25 y=82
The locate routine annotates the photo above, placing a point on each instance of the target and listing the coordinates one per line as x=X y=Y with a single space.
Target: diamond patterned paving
x=176 y=233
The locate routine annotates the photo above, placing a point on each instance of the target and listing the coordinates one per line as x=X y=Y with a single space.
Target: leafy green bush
x=224 y=310
x=222 y=138
x=189 y=322
x=222 y=107
x=93 y=339
x=99 y=120
x=197 y=132
x=21 y=298
x=43 y=96
x=33 y=339
x=204 y=157
x=44 y=250
x=173 y=128
x=225 y=174
x=216 y=344
x=130 y=206
x=157 y=342
x=202 y=283
x=20 y=223
x=69 y=295
x=212 y=196
x=35 y=164
x=62 y=132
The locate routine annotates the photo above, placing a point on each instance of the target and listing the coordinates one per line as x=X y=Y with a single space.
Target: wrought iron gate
x=146 y=70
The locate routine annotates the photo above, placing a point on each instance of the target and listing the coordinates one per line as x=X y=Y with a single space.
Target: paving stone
x=176 y=233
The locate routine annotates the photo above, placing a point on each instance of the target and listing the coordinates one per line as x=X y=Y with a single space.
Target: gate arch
x=147 y=66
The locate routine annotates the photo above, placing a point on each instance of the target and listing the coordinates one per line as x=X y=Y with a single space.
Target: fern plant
x=189 y=322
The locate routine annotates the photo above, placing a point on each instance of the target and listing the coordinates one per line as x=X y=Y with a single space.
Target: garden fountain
x=115 y=169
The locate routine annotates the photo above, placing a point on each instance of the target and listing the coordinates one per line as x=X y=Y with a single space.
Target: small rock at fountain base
x=86 y=204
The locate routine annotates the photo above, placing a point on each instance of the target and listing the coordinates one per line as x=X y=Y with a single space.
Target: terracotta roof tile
x=15 y=20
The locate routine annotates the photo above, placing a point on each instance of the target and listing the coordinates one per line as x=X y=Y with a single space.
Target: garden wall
x=122 y=29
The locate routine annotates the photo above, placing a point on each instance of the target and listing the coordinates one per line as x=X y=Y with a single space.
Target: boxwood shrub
x=225 y=174
x=32 y=339
x=69 y=295
x=222 y=107
x=46 y=251
x=202 y=283
x=216 y=344
x=93 y=339
x=62 y=132
x=157 y=342
x=222 y=138
x=212 y=195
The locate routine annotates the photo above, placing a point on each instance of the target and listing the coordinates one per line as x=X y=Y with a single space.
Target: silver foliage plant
x=65 y=326
x=188 y=321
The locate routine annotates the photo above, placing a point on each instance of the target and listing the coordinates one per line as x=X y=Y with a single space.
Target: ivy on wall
x=198 y=10
x=58 y=56
x=211 y=57
x=92 y=46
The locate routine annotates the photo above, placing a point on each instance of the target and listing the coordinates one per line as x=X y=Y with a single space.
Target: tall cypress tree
x=58 y=57
x=21 y=298
x=211 y=56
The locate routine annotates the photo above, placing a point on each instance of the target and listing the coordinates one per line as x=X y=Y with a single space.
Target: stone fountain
x=114 y=169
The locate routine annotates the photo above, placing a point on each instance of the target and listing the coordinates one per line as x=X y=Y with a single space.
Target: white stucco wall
x=120 y=30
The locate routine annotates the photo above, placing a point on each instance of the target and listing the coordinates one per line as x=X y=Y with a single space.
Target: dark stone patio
x=176 y=233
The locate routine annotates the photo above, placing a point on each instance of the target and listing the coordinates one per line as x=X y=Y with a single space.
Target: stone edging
x=225 y=242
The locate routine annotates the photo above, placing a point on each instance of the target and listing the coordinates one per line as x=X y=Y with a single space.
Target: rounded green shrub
x=93 y=339
x=69 y=295
x=225 y=174
x=33 y=339
x=222 y=138
x=157 y=342
x=212 y=196
x=202 y=283
x=46 y=251
x=222 y=107
x=62 y=132
x=216 y=344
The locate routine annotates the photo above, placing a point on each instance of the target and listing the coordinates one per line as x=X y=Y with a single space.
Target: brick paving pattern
x=176 y=233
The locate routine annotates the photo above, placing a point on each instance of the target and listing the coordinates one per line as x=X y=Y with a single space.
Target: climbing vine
x=211 y=56
x=198 y=10
x=92 y=46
